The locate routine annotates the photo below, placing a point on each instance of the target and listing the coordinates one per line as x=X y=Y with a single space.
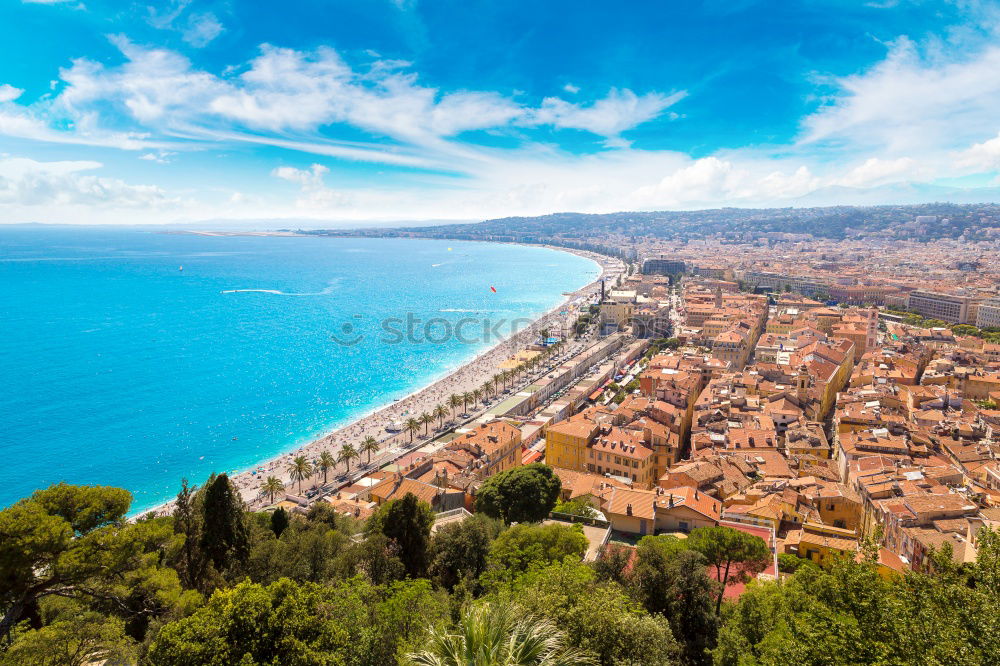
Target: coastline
x=467 y=376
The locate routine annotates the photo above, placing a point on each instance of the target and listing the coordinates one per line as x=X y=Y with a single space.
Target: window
x=683 y=524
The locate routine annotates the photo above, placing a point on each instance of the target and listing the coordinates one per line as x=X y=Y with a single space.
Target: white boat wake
x=324 y=292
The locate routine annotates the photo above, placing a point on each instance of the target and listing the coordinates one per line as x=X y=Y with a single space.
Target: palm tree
x=325 y=463
x=496 y=381
x=369 y=445
x=477 y=395
x=426 y=419
x=347 y=454
x=272 y=486
x=440 y=412
x=486 y=389
x=299 y=470
x=466 y=398
x=454 y=400
x=413 y=426
x=494 y=634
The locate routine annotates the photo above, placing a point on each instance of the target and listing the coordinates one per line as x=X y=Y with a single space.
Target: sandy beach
x=466 y=378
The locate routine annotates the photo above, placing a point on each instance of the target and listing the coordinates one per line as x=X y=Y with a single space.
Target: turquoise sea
x=117 y=367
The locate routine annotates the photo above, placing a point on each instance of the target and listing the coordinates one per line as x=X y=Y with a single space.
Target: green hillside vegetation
x=216 y=584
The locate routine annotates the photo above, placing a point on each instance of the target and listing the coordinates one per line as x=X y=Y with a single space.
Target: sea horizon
x=246 y=335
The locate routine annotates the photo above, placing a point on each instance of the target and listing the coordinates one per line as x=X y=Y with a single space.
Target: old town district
x=817 y=427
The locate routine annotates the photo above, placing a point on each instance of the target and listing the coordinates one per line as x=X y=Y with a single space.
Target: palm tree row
x=300 y=469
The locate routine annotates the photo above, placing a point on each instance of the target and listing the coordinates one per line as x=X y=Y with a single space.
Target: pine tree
x=279 y=521
x=188 y=521
x=407 y=523
x=226 y=536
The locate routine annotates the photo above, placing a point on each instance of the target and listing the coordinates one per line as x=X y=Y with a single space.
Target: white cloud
x=314 y=194
x=610 y=116
x=198 y=30
x=912 y=101
x=202 y=29
x=710 y=180
x=160 y=157
x=284 y=90
x=918 y=115
x=29 y=183
x=875 y=171
x=984 y=156
x=9 y=93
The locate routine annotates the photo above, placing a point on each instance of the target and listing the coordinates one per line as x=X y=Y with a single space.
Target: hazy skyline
x=128 y=113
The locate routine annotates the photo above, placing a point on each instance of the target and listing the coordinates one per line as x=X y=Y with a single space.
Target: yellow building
x=567 y=443
x=821 y=544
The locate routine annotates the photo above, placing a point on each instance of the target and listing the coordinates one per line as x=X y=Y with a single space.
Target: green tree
x=789 y=563
x=326 y=462
x=651 y=575
x=735 y=555
x=79 y=640
x=279 y=521
x=347 y=454
x=522 y=494
x=407 y=523
x=524 y=547
x=689 y=607
x=987 y=569
x=858 y=617
x=61 y=541
x=458 y=550
x=499 y=635
x=671 y=580
x=305 y=551
x=426 y=419
x=413 y=427
x=597 y=617
x=297 y=624
x=376 y=558
x=575 y=507
x=272 y=486
x=369 y=445
x=226 y=535
x=440 y=413
x=613 y=563
x=190 y=561
x=299 y=470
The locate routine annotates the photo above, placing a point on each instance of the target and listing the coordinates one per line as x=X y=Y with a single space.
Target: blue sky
x=372 y=110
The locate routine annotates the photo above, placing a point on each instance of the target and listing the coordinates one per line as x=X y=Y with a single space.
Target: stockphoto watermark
x=416 y=330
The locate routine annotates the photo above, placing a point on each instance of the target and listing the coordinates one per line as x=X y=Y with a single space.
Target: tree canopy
x=406 y=522
x=524 y=494
x=80 y=584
